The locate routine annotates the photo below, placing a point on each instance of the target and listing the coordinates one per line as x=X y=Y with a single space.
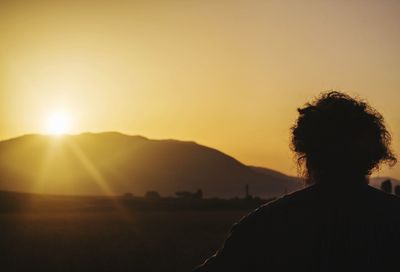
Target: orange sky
x=227 y=74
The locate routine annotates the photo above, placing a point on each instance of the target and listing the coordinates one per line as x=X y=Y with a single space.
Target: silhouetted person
x=337 y=223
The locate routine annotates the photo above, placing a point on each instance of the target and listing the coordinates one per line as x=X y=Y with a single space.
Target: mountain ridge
x=115 y=163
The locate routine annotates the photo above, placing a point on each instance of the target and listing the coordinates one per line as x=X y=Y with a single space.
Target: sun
x=58 y=123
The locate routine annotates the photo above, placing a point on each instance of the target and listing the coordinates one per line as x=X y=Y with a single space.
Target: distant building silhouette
x=199 y=193
x=189 y=195
x=386 y=186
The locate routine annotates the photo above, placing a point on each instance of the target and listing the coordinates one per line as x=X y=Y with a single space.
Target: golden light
x=58 y=123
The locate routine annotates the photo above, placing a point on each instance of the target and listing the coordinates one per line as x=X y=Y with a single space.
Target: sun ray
x=97 y=176
x=91 y=169
x=43 y=170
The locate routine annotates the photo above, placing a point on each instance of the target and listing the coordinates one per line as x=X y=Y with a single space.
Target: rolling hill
x=112 y=163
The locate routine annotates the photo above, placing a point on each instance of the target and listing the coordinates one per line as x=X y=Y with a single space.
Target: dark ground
x=122 y=239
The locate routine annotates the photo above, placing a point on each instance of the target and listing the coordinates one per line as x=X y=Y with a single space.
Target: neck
x=340 y=181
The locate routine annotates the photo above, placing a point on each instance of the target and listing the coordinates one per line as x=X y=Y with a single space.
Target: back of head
x=339 y=137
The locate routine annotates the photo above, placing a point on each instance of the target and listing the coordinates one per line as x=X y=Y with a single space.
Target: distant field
x=111 y=240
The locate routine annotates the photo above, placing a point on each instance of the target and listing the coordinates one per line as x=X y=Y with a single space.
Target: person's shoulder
x=275 y=209
x=383 y=199
x=381 y=194
x=292 y=200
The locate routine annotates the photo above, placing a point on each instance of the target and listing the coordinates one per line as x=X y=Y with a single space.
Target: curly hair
x=337 y=135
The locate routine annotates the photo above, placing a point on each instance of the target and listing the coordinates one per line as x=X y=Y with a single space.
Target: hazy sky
x=227 y=74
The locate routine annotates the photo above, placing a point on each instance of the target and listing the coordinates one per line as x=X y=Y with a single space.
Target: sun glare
x=58 y=123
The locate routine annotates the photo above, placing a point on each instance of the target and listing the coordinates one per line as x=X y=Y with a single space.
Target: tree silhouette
x=152 y=195
x=128 y=195
x=189 y=195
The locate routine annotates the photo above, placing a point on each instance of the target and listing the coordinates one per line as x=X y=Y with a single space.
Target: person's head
x=338 y=137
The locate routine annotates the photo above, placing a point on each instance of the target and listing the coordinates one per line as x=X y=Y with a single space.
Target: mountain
x=290 y=183
x=113 y=163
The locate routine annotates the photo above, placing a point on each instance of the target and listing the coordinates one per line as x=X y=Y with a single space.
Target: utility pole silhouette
x=247 y=192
